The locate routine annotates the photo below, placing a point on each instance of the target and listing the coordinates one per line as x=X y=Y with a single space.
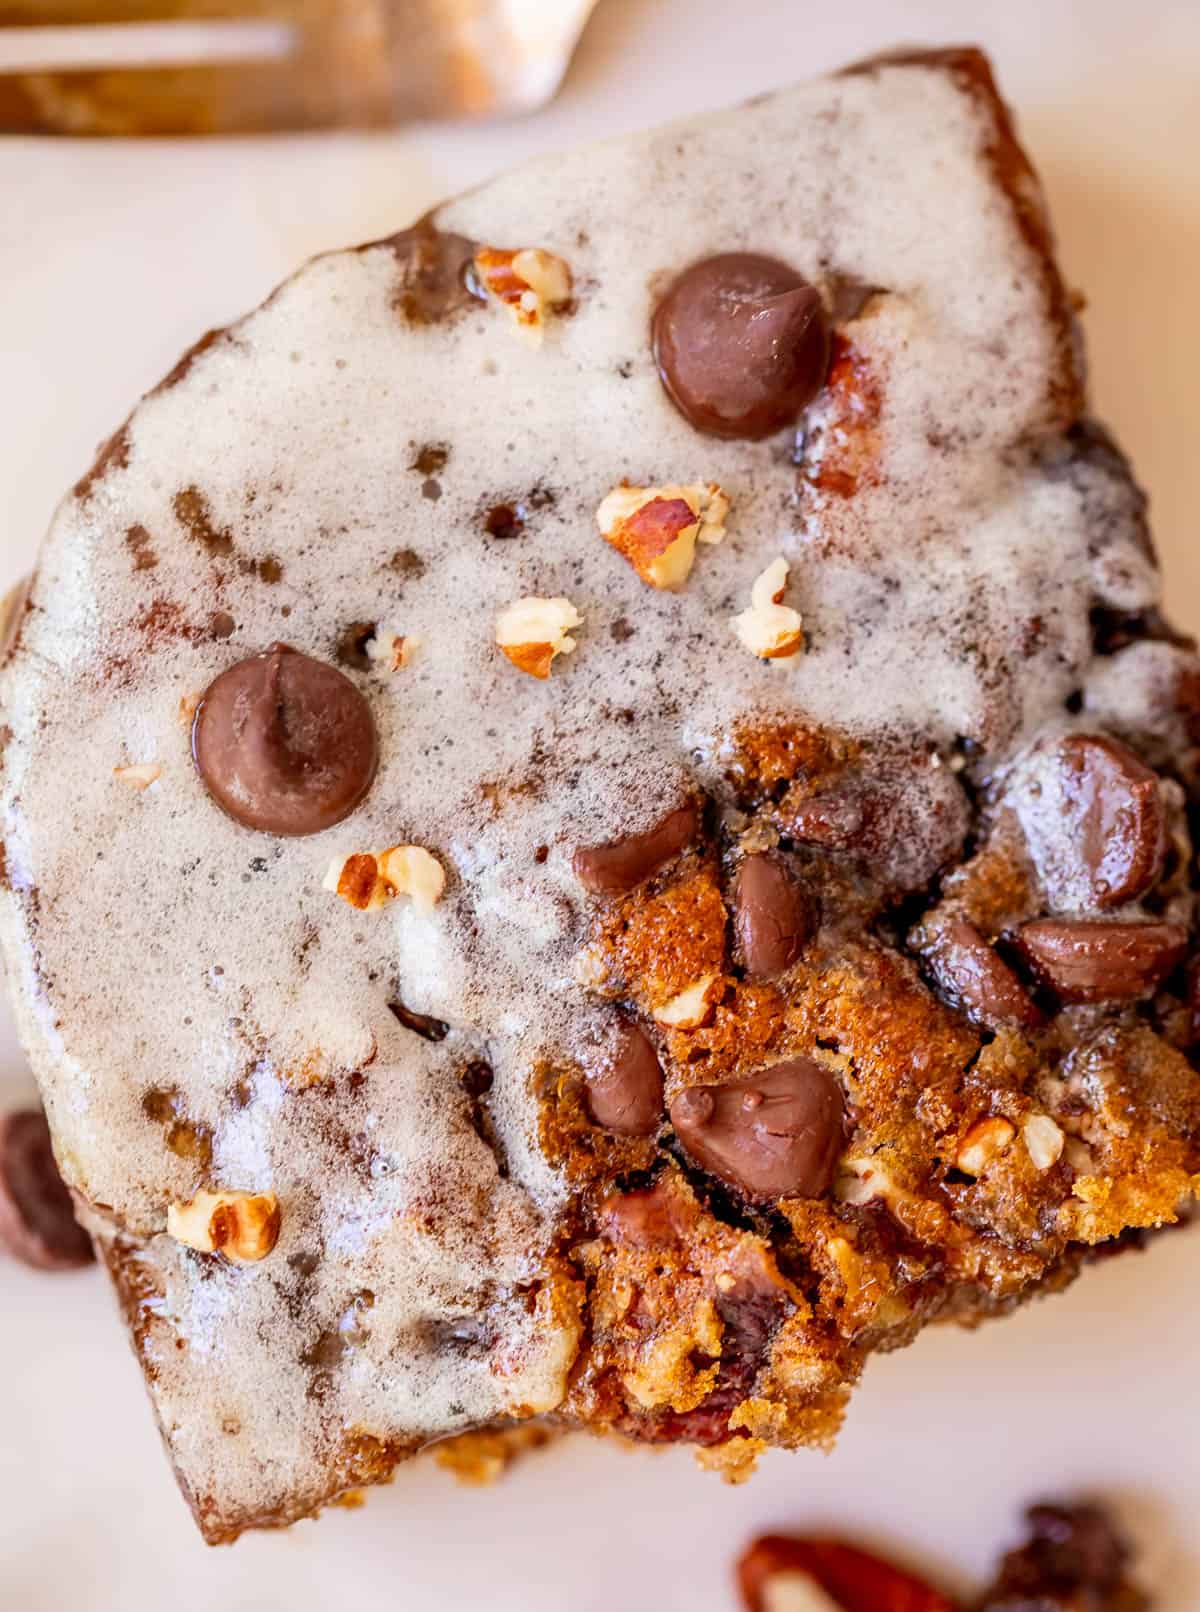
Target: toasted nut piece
x=589 y=968
x=390 y=651
x=795 y=1574
x=243 y=1226
x=370 y=879
x=533 y=631
x=868 y=1178
x=795 y=1592
x=1079 y=1156
x=770 y=629
x=140 y=775
x=691 y=1008
x=530 y=283
x=1043 y=1139
x=985 y=1141
x=860 y=1181
x=657 y=528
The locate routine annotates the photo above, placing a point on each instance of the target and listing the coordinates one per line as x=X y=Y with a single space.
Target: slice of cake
x=594 y=803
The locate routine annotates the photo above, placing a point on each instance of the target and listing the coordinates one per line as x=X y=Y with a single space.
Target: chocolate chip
x=774 y=1136
x=1074 y=1558
x=476 y=1078
x=352 y=645
x=849 y=296
x=1077 y=1544
x=37 y=1222
x=621 y=865
x=285 y=743
x=433 y=268
x=421 y=1024
x=1093 y=960
x=504 y=521
x=222 y=625
x=625 y=1090
x=742 y=344
x=773 y=916
x=1097 y=830
x=974 y=978
x=649 y=1217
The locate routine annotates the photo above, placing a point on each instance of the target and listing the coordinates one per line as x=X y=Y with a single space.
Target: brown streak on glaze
x=194 y=514
x=114 y=455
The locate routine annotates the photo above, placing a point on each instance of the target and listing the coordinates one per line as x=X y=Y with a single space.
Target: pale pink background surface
x=112 y=259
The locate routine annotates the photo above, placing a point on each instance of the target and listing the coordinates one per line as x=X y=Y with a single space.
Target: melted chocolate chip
x=285 y=743
x=504 y=521
x=1110 y=831
x=352 y=645
x=621 y=865
x=1091 y=960
x=742 y=344
x=476 y=1078
x=433 y=274
x=422 y=1024
x=774 y=1136
x=751 y=1312
x=973 y=977
x=1074 y=1560
x=649 y=1217
x=625 y=1092
x=37 y=1222
x=773 y=916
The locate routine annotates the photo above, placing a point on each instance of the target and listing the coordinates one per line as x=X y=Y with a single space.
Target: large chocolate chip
x=772 y=916
x=1074 y=1558
x=433 y=266
x=742 y=344
x=1097 y=830
x=775 y=1136
x=620 y=865
x=285 y=743
x=625 y=1091
x=1091 y=960
x=37 y=1222
x=973 y=977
